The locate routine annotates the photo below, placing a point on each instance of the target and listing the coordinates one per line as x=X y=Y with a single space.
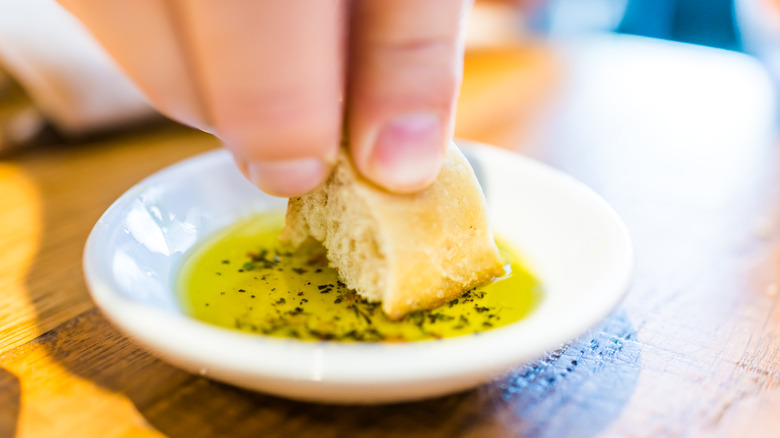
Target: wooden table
x=680 y=140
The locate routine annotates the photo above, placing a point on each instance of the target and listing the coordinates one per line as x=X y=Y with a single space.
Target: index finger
x=270 y=76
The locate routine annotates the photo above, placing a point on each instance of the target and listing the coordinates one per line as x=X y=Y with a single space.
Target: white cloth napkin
x=70 y=80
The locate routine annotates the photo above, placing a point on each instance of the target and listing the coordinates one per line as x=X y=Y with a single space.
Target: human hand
x=274 y=79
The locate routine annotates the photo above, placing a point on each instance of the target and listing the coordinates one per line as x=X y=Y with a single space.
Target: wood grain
x=55 y=195
x=690 y=162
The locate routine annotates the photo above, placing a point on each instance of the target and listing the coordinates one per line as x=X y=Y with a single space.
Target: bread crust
x=411 y=251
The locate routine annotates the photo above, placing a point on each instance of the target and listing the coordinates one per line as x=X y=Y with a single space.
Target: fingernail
x=288 y=178
x=408 y=152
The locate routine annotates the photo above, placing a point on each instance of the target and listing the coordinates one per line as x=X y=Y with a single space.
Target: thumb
x=405 y=71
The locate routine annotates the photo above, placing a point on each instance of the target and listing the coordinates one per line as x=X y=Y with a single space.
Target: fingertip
x=406 y=154
x=286 y=178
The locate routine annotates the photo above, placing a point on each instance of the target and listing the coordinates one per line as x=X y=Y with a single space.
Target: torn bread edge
x=411 y=252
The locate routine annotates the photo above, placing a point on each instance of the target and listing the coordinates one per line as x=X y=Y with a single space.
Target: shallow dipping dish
x=567 y=235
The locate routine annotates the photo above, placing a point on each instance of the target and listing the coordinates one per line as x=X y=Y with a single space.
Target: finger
x=140 y=38
x=269 y=73
x=404 y=72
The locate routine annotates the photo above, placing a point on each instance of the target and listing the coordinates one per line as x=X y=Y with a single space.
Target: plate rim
x=478 y=352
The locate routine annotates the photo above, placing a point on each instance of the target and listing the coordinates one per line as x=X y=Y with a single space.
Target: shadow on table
x=10 y=403
x=576 y=391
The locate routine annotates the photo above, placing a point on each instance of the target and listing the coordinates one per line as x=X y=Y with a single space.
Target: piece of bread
x=412 y=252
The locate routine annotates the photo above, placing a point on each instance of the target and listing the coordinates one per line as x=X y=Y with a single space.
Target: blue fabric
x=705 y=22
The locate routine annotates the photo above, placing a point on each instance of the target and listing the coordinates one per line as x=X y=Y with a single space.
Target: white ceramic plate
x=570 y=238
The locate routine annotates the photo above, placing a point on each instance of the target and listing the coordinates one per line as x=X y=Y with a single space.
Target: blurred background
x=706 y=22
x=56 y=83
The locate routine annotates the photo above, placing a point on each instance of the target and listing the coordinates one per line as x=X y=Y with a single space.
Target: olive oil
x=245 y=279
